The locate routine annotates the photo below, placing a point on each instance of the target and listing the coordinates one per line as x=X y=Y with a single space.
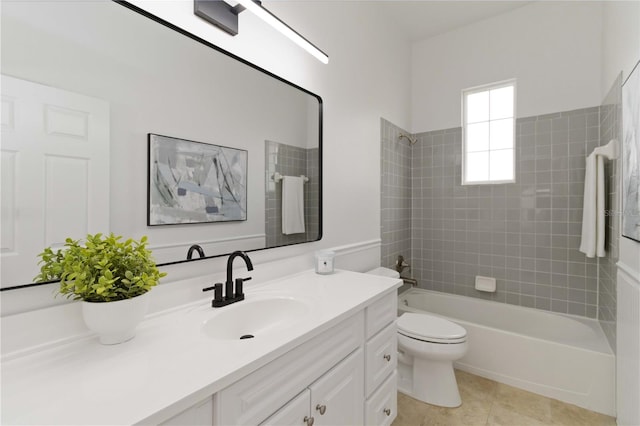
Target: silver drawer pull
x=387 y=357
x=321 y=408
x=308 y=420
x=387 y=411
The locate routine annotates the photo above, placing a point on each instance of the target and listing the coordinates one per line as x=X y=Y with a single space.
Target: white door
x=337 y=398
x=55 y=172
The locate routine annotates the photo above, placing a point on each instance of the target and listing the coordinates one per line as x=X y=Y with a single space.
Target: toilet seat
x=429 y=328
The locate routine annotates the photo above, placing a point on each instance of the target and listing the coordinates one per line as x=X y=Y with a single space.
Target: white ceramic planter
x=115 y=322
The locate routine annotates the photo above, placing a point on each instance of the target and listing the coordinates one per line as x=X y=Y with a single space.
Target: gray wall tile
x=403 y=178
x=291 y=161
x=610 y=127
x=525 y=234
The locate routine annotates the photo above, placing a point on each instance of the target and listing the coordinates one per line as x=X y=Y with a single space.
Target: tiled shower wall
x=524 y=234
x=291 y=161
x=610 y=128
x=395 y=166
x=312 y=195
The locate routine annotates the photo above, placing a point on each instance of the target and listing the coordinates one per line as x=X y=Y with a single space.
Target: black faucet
x=193 y=248
x=230 y=295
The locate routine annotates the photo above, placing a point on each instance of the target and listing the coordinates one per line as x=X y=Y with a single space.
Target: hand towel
x=593 y=219
x=292 y=205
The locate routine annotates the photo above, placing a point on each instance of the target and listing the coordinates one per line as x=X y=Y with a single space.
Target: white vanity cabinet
x=344 y=376
x=381 y=361
x=329 y=366
x=334 y=399
x=335 y=363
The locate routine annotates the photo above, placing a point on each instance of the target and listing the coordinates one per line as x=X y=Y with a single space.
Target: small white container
x=324 y=261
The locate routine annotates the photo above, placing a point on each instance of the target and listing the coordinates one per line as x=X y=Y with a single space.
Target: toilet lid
x=430 y=328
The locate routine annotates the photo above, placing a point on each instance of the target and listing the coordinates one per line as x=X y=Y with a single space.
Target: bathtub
x=560 y=356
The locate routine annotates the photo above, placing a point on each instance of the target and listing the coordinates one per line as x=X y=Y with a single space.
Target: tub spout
x=412 y=281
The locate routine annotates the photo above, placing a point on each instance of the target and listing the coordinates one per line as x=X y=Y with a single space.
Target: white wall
x=621 y=51
x=553 y=49
x=367 y=78
x=162 y=83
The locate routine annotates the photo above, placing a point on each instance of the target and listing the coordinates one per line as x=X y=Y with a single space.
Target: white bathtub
x=560 y=356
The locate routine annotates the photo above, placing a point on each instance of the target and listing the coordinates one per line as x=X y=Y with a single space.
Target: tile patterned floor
x=485 y=402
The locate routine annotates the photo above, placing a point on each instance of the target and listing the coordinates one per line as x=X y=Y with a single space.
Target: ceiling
x=423 y=19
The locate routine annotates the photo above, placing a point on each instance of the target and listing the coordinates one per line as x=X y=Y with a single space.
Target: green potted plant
x=112 y=278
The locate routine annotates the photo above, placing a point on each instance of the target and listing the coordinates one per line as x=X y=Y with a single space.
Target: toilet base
x=405 y=378
x=440 y=389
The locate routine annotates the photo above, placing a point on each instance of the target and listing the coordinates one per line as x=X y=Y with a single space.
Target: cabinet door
x=381 y=357
x=337 y=397
x=296 y=412
x=382 y=407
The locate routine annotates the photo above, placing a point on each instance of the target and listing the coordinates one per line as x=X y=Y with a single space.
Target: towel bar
x=277 y=177
x=609 y=150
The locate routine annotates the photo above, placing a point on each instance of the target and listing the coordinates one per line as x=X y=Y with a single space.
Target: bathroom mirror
x=83 y=86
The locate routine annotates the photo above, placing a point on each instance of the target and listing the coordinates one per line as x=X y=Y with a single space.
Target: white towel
x=593 y=219
x=292 y=205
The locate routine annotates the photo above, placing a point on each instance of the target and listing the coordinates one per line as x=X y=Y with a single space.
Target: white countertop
x=170 y=364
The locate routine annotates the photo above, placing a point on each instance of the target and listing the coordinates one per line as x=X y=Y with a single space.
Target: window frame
x=478 y=89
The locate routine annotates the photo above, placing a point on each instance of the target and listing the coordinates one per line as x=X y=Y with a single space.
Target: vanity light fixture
x=224 y=15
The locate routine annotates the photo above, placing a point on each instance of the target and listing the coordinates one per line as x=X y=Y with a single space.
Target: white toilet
x=427 y=347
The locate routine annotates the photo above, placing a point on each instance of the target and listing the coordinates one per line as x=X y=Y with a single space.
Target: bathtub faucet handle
x=401 y=264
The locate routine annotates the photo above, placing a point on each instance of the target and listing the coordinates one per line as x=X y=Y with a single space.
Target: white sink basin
x=250 y=319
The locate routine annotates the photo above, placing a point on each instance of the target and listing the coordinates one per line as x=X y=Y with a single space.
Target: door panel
x=337 y=397
x=55 y=171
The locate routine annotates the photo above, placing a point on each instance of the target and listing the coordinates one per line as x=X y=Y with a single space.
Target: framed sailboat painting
x=194 y=182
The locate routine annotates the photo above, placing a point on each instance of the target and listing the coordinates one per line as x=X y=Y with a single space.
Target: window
x=488 y=120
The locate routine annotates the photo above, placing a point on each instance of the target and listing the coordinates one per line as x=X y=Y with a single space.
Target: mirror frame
x=197 y=39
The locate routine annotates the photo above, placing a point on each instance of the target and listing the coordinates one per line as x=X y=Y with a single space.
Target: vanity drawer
x=381 y=357
x=255 y=397
x=382 y=407
x=381 y=313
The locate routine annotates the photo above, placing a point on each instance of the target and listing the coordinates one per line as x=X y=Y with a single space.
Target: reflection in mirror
x=84 y=83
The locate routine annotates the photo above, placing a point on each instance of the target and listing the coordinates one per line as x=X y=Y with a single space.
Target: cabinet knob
x=321 y=408
x=387 y=411
x=387 y=357
x=308 y=420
